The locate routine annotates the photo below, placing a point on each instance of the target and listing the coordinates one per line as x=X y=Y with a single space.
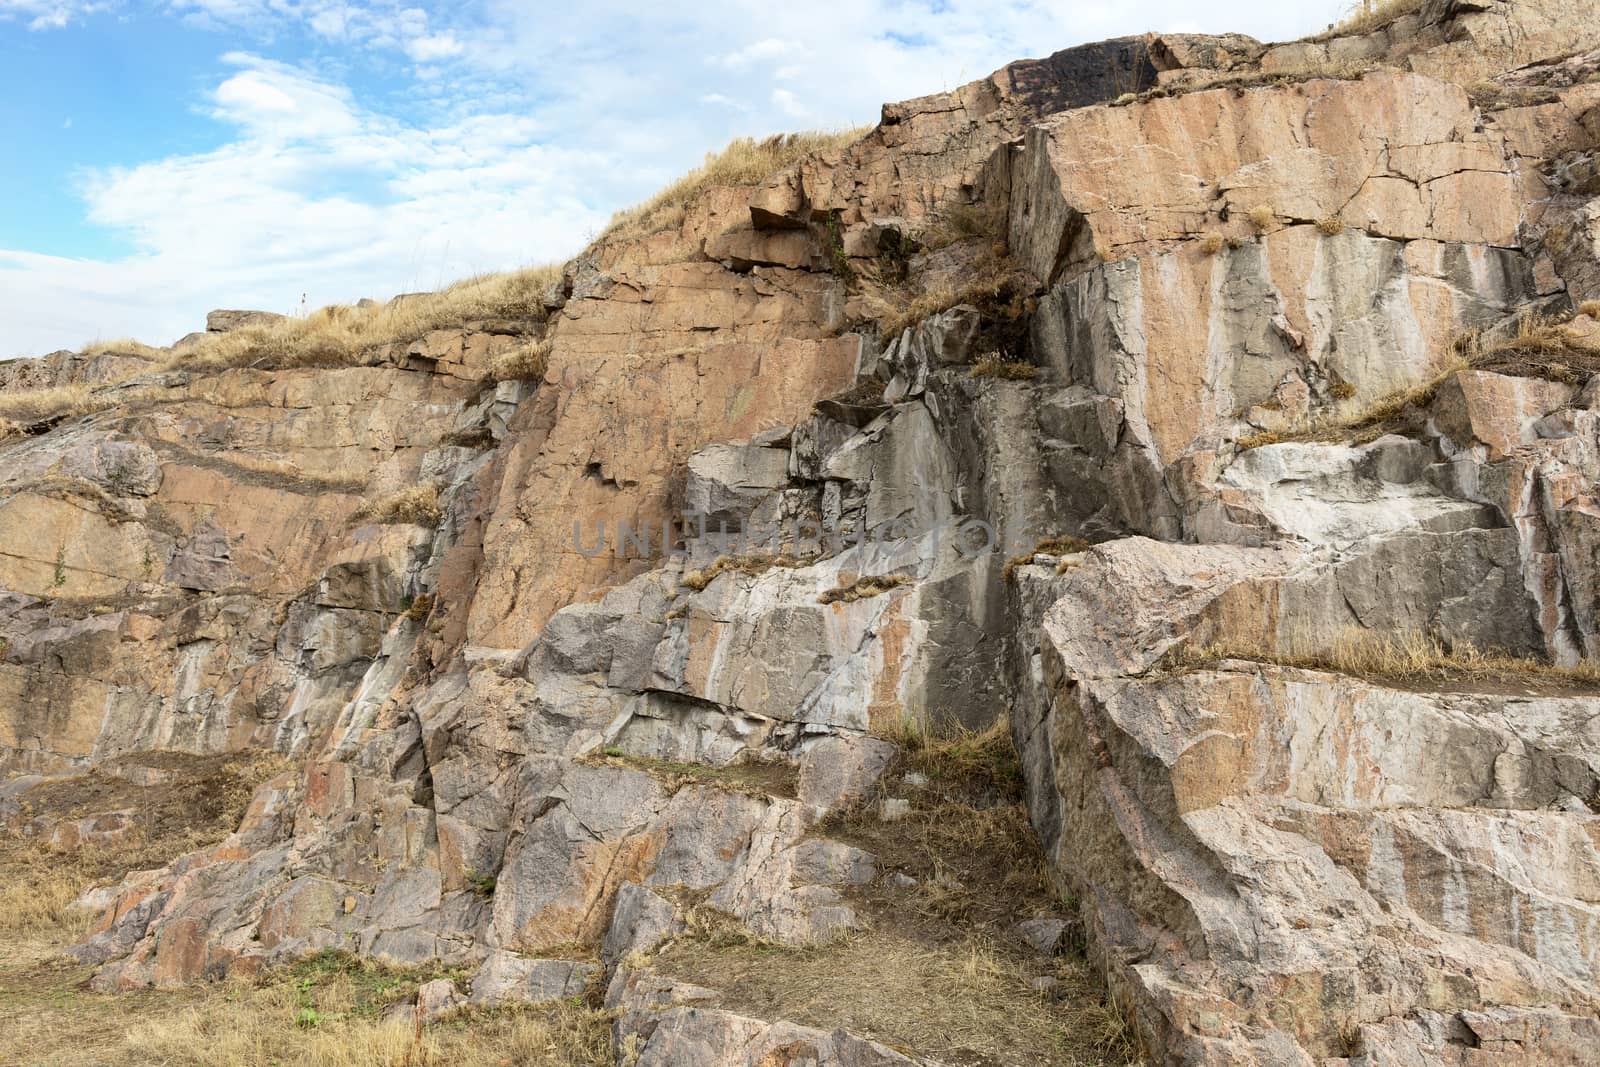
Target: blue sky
x=167 y=157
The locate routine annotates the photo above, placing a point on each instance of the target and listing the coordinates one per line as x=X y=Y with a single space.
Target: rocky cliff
x=1224 y=418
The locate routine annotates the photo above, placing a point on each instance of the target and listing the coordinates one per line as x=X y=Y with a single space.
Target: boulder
x=226 y=321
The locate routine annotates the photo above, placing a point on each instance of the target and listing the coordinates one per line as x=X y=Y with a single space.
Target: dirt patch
x=199 y=801
x=761 y=778
x=937 y=969
x=176 y=797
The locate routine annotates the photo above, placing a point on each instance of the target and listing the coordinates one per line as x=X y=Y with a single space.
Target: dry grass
x=1368 y=15
x=745 y=161
x=42 y=405
x=525 y=363
x=964 y=222
x=327 y=1011
x=995 y=287
x=418 y=506
x=1331 y=226
x=1540 y=348
x=204 y=803
x=994 y=366
x=862 y=588
x=1065 y=545
x=753 y=777
x=965 y=1002
x=936 y=970
x=279 y=467
x=751 y=565
x=340 y=335
x=333 y=336
x=1211 y=243
x=1260 y=439
x=1409 y=658
x=126 y=346
x=1262 y=217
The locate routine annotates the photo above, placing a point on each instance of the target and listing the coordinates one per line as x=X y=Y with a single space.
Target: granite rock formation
x=1135 y=318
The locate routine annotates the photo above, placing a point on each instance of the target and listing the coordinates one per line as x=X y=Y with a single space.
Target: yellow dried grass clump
x=41 y=405
x=1403 y=657
x=753 y=564
x=125 y=346
x=525 y=363
x=994 y=366
x=1063 y=545
x=418 y=505
x=862 y=588
x=339 y=334
x=994 y=284
x=1541 y=347
x=745 y=161
x=1368 y=15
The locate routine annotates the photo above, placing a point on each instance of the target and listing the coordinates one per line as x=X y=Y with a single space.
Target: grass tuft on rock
x=751 y=565
x=417 y=506
x=1061 y=545
x=745 y=161
x=1552 y=349
x=752 y=777
x=525 y=363
x=994 y=365
x=1408 y=658
x=847 y=592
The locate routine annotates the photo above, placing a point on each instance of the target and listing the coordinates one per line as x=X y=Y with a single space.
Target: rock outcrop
x=1128 y=390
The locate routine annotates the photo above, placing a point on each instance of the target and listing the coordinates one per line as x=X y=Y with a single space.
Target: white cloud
x=434 y=46
x=789 y=104
x=50 y=14
x=317 y=195
x=541 y=120
x=768 y=48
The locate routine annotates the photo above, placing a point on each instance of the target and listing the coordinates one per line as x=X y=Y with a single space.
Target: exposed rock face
x=1275 y=863
x=225 y=321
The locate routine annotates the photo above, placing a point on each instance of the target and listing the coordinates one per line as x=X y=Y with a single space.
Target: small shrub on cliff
x=1211 y=243
x=1331 y=226
x=1262 y=217
x=418 y=505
